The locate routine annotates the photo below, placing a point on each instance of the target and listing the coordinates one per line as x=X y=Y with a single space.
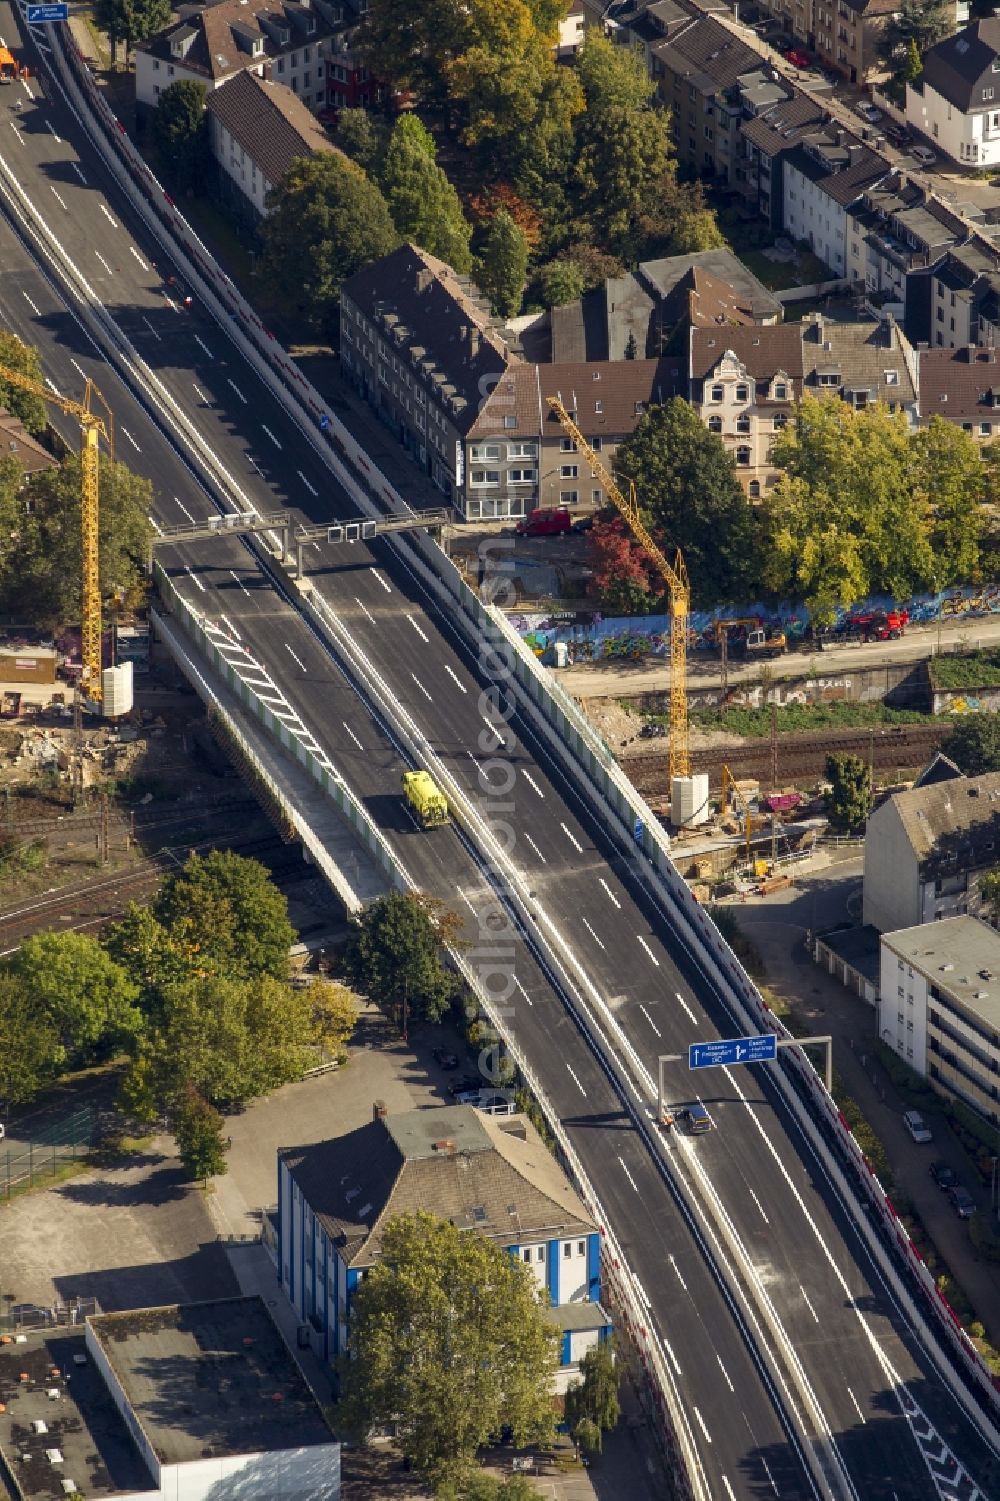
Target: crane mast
x=674 y=575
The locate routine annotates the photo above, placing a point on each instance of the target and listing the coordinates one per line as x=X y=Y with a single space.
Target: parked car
x=798 y=59
x=878 y=625
x=467 y=1084
x=547 y=521
x=868 y=112
x=962 y=1202
x=924 y=155
x=944 y=1176
x=583 y=524
x=917 y=1126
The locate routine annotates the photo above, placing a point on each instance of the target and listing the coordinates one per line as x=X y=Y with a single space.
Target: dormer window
x=891 y=377
x=780 y=391
x=257 y=47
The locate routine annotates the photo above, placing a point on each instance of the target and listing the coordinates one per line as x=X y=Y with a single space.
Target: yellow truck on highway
x=430 y=805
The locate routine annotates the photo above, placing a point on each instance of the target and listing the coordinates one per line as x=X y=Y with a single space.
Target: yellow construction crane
x=675 y=576
x=92 y=429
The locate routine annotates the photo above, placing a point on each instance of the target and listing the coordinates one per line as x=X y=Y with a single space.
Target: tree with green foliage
x=594 y=1399
x=227 y=913
x=690 y=498
x=849 y=800
x=42 y=581
x=613 y=78
x=130 y=21
x=395 y=954
x=449 y=1341
x=334 y=1009
x=478 y=1486
x=24 y=360
x=30 y=1049
x=974 y=744
x=561 y=282
x=361 y=136
x=179 y=128
x=326 y=220
x=424 y=206
x=912 y=63
x=677 y=219
x=197 y=1129
x=502 y=265
x=88 y=999
x=497 y=81
x=587 y=1436
x=922 y=22
x=411 y=44
x=866 y=506
x=988 y=887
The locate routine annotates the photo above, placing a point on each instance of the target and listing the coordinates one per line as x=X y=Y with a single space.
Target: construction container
x=689 y=804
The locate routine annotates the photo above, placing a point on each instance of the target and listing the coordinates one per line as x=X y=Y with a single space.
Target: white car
x=923 y=155
x=868 y=112
x=917 y=1126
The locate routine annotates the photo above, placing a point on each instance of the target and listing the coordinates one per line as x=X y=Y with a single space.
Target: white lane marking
x=521 y=988
x=195 y=579
x=857 y=1407
x=151 y=328
x=759 y=1206
x=456 y=680
x=269 y=433
x=805 y=1299
x=295 y=657
x=231 y=382
x=79 y=369
x=16 y=130
x=422 y=634
x=61 y=200
x=200 y=394
x=51 y=128
x=468 y=901
x=537 y=851
x=354 y=737
x=687 y=1008
x=770 y=1477
x=381 y=580
x=641 y=1290
x=724 y=1372
x=572 y=839
x=230 y=627
x=576 y=1081
x=204 y=347
x=729 y=1490
x=650 y=1020
x=531 y=782
x=52 y=388
x=677 y=1273
x=157 y=528
x=76 y=169
x=420 y=685
x=138 y=257
x=107 y=216
x=610 y=894
x=701 y=1425
x=235 y=575
x=628 y=1174
x=184 y=509
x=103 y=262
x=673 y=1358
x=593 y=935
x=311 y=488
x=371 y=617
x=129 y=437
x=649 y=951
x=32 y=306
x=473 y=759
x=171 y=304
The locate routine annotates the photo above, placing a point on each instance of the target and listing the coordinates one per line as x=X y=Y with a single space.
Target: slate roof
x=777 y=128
x=269 y=121
x=930 y=814
x=707 y=54
x=216 y=51
x=663 y=275
x=847 y=167
x=430 y=311
x=862 y=353
x=958 y=383
x=622 y=388
x=763 y=351
x=954 y=66
x=492 y=1175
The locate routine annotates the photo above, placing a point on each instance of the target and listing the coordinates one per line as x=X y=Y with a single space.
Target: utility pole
x=774 y=747
x=724 y=646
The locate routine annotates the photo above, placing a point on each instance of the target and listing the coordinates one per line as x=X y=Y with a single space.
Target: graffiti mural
x=599 y=638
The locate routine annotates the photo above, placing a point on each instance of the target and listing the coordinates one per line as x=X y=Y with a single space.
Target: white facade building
x=257 y=129
x=956 y=101
x=821 y=178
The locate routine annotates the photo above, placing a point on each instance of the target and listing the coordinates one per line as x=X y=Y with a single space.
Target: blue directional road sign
x=39 y=13
x=760 y=1049
x=638 y=830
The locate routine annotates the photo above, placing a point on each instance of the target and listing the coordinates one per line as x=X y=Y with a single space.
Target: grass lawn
x=778 y=276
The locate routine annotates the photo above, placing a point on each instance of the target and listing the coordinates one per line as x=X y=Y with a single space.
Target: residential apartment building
x=892 y=231
x=256 y=130
x=956 y=100
x=489 y=1175
x=956 y=301
x=213 y=44
x=939 y=1008
x=925 y=850
x=746 y=382
x=693 y=68
x=772 y=125
x=963 y=386
x=846 y=35
x=823 y=175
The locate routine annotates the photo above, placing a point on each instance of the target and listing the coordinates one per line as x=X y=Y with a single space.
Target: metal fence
x=28 y=1163
x=27 y=1316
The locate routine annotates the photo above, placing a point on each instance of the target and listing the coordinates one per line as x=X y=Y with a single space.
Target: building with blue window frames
x=490 y=1174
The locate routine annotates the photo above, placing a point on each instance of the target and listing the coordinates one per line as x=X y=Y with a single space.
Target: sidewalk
x=777 y=926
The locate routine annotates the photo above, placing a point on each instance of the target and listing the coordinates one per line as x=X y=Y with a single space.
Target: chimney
x=854 y=150
x=970 y=354
x=424 y=279
x=473 y=342
x=379 y=1111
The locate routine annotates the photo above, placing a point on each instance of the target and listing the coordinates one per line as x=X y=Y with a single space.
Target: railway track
x=801 y=759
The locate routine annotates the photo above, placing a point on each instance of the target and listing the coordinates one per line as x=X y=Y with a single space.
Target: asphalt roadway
x=854 y=1348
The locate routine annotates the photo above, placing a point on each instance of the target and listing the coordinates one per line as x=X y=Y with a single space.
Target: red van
x=551 y=521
